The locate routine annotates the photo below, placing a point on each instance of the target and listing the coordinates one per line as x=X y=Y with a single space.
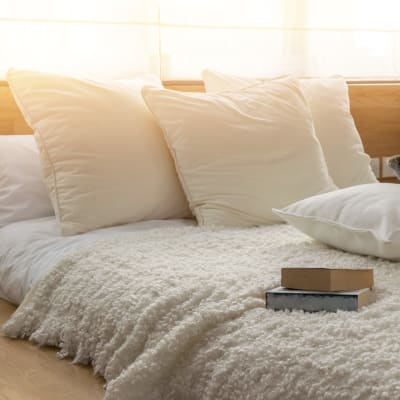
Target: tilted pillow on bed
x=347 y=163
x=104 y=157
x=239 y=154
x=363 y=219
x=23 y=194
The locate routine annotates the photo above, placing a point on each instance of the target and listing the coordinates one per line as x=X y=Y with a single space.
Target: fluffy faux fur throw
x=179 y=314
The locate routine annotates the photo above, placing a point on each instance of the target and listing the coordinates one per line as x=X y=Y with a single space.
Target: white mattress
x=29 y=249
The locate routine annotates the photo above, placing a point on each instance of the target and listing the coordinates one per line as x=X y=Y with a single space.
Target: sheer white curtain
x=355 y=38
x=178 y=38
x=100 y=38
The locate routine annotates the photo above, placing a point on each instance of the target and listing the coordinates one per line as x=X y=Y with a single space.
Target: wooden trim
x=389 y=180
x=185 y=86
x=373 y=81
x=198 y=84
x=376 y=112
x=182 y=83
x=191 y=82
x=11 y=119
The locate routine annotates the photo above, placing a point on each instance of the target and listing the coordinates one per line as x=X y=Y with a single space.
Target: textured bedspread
x=179 y=314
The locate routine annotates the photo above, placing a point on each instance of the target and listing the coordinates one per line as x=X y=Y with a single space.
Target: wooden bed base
x=375 y=107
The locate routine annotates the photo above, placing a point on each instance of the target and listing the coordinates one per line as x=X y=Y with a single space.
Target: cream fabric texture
x=180 y=314
x=364 y=219
x=328 y=98
x=239 y=154
x=104 y=158
x=23 y=194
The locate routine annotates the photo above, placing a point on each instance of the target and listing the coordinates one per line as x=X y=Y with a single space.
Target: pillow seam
x=36 y=132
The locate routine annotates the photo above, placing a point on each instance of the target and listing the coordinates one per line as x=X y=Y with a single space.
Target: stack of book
x=322 y=289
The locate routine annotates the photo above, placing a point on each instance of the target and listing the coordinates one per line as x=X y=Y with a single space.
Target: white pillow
x=104 y=158
x=23 y=194
x=363 y=219
x=347 y=163
x=238 y=154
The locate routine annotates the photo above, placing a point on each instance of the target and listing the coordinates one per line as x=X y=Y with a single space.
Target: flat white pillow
x=239 y=154
x=347 y=163
x=104 y=158
x=363 y=219
x=23 y=194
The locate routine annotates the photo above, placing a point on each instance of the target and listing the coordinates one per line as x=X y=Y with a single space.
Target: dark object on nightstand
x=394 y=163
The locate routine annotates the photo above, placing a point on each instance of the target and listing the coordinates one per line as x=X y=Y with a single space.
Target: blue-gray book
x=287 y=299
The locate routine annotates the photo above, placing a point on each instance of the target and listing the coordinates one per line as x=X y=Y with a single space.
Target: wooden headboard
x=375 y=107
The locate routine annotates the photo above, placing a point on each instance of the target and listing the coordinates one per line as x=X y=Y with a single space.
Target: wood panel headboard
x=375 y=108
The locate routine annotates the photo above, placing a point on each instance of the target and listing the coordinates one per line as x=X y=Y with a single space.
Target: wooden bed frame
x=27 y=372
x=375 y=107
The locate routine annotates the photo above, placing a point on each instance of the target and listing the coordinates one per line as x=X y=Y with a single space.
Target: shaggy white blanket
x=179 y=314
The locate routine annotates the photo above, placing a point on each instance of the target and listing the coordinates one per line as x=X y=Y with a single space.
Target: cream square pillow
x=328 y=98
x=363 y=219
x=241 y=153
x=104 y=158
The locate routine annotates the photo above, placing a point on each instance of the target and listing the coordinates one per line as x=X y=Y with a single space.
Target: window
x=178 y=38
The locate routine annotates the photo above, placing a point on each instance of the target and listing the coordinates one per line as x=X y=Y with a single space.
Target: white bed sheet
x=29 y=249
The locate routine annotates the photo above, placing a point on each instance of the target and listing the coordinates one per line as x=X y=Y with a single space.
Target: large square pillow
x=363 y=219
x=328 y=98
x=241 y=153
x=23 y=193
x=104 y=158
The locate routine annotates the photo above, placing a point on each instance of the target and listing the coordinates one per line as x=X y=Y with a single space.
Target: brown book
x=327 y=279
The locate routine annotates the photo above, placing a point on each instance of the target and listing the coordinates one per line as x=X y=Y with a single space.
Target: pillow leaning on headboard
x=104 y=158
x=241 y=153
x=328 y=98
x=23 y=194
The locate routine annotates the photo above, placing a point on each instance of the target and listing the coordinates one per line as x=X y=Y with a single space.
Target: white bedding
x=179 y=314
x=29 y=249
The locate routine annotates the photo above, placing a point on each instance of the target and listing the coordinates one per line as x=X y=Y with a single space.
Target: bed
x=180 y=311
x=30 y=248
